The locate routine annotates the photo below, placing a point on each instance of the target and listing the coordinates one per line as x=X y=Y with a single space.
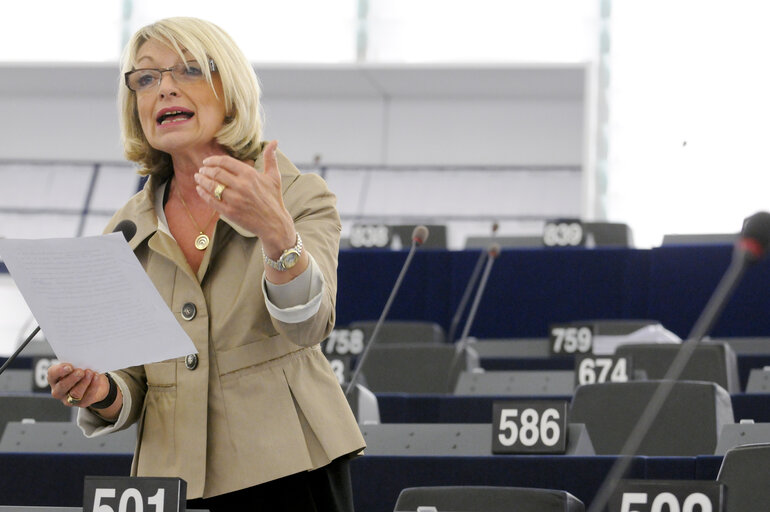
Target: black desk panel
x=377 y=480
x=528 y=289
x=414 y=408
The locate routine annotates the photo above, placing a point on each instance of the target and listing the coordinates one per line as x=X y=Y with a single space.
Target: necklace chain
x=202 y=240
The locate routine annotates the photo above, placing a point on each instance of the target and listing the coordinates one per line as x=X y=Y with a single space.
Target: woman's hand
x=75 y=386
x=251 y=199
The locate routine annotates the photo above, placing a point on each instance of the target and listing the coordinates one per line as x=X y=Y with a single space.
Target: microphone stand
x=702 y=326
x=466 y=296
x=493 y=252
x=378 y=325
x=18 y=350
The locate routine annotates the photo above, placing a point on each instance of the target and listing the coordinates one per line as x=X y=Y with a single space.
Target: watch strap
x=278 y=265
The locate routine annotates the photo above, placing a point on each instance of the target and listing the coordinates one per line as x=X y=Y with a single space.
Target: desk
x=434 y=408
x=57 y=479
x=377 y=480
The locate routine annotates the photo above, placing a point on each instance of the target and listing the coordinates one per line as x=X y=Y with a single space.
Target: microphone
x=493 y=251
x=128 y=228
x=466 y=295
x=468 y=288
x=749 y=249
x=419 y=236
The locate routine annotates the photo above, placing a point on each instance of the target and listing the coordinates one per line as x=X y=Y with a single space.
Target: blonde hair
x=242 y=130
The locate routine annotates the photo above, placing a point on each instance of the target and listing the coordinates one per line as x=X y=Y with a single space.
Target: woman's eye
x=193 y=70
x=145 y=79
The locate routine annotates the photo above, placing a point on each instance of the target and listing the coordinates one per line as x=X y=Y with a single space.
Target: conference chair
x=516 y=383
x=688 y=423
x=759 y=380
x=416 y=367
x=484 y=242
x=738 y=434
x=363 y=403
x=711 y=361
x=27 y=406
x=401 y=331
x=63 y=437
x=744 y=473
x=16 y=381
x=487 y=499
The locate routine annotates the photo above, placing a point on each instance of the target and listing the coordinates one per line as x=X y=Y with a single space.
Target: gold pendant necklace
x=202 y=240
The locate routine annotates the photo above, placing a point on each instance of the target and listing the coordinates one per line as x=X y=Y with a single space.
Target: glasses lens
x=187 y=72
x=143 y=79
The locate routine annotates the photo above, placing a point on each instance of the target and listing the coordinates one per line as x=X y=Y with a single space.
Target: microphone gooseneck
x=419 y=236
x=128 y=228
x=750 y=248
x=466 y=295
x=493 y=251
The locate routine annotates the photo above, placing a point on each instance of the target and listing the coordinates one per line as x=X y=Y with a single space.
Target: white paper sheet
x=94 y=302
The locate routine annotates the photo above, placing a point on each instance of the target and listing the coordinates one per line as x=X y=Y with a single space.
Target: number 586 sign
x=529 y=426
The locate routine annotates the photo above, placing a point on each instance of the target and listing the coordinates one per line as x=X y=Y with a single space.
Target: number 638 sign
x=134 y=494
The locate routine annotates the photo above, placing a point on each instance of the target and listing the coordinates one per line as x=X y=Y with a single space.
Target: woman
x=243 y=248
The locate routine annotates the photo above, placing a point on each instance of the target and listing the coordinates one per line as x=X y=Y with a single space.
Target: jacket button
x=191 y=361
x=189 y=311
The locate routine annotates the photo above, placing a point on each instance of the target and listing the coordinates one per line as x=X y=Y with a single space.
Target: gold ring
x=72 y=400
x=218 y=191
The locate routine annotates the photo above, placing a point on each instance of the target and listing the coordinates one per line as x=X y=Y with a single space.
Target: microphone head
x=127 y=227
x=755 y=235
x=420 y=235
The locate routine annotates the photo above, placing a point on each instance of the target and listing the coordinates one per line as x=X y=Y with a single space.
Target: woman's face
x=199 y=113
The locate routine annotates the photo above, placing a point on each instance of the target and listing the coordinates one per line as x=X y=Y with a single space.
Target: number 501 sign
x=134 y=494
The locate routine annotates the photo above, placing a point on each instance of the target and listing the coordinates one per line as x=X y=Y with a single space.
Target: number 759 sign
x=134 y=494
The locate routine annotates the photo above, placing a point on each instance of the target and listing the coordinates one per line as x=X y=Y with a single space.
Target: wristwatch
x=288 y=258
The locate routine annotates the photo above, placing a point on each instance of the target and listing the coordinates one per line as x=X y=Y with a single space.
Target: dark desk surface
x=57 y=479
x=434 y=408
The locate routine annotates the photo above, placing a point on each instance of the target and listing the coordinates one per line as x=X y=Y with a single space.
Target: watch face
x=289 y=258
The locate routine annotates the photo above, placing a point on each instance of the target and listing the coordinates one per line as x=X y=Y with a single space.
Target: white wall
x=349 y=115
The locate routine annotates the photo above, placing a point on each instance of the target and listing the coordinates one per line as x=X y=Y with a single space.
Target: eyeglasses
x=186 y=72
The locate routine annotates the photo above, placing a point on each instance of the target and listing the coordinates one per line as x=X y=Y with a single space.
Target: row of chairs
x=445 y=368
x=695 y=419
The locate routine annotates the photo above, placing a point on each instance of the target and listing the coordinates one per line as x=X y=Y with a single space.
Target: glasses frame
x=127 y=74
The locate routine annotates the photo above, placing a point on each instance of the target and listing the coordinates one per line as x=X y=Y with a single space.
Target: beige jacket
x=262 y=402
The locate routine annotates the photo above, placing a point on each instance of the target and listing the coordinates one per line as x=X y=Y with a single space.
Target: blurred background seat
x=401 y=331
x=416 y=367
x=687 y=424
x=516 y=383
x=63 y=437
x=711 y=361
x=744 y=471
x=26 y=406
x=487 y=499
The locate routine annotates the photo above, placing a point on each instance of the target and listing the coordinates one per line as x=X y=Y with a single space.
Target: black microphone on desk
x=128 y=228
x=749 y=249
x=419 y=236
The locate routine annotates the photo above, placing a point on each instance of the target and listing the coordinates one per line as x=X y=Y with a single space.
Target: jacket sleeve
x=313 y=208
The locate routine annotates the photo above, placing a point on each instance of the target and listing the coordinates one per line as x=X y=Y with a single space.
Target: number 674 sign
x=134 y=494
